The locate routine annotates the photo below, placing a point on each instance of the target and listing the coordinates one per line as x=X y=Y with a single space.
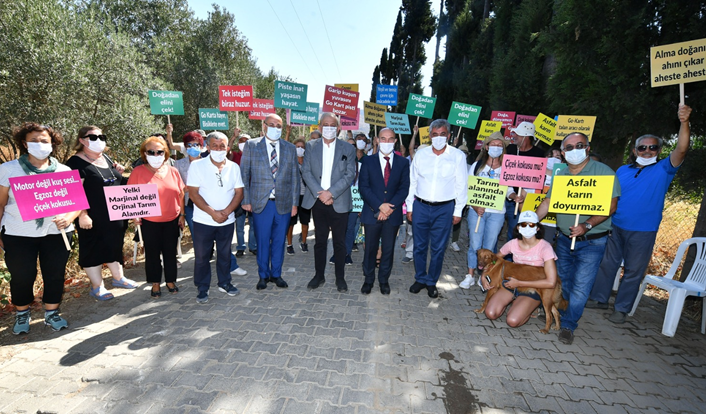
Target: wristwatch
x=588 y=225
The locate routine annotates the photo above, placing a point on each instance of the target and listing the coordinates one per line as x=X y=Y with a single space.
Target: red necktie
x=387 y=170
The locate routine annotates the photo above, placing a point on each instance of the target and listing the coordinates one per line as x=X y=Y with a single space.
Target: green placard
x=166 y=102
x=420 y=105
x=464 y=115
x=213 y=119
x=290 y=95
x=308 y=117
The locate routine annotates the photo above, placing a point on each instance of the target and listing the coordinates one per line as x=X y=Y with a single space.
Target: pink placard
x=132 y=201
x=235 y=98
x=261 y=108
x=340 y=101
x=507 y=118
x=350 y=124
x=45 y=195
x=524 y=172
x=524 y=118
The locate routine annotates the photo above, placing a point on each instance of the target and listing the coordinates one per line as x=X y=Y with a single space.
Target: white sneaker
x=455 y=247
x=467 y=282
x=239 y=272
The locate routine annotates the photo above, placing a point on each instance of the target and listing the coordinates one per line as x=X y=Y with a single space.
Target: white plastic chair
x=694 y=285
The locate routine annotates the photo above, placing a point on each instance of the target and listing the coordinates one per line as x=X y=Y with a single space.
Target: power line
x=316 y=55
x=329 y=39
x=290 y=39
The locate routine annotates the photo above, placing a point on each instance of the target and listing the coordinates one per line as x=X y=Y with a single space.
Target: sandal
x=125 y=283
x=175 y=289
x=155 y=294
x=96 y=293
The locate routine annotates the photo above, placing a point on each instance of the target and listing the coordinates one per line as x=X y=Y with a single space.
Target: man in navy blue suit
x=383 y=184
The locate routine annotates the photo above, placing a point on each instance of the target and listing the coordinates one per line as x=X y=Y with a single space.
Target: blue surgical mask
x=194 y=152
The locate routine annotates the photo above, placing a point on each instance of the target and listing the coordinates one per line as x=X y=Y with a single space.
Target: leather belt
x=588 y=237
x=433 y=203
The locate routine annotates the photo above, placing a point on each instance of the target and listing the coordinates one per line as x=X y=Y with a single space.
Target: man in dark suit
x=384 y=184
x=328 y=171
x=271 y=177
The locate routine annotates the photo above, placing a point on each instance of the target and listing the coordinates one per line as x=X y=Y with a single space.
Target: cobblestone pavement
x=299 y=351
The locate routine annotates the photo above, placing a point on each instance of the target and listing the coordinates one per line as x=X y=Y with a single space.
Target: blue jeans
x=351 y=231
x=577 y=270
x=271 y=233
x=240 y=232
x=252 y=238
x=511 y=218
x=487 y=236
x=635 y=248
x=204 y=236
x=189 y=213
x=430 y=225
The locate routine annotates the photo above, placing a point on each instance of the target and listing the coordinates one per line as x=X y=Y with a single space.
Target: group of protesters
x=274 y=184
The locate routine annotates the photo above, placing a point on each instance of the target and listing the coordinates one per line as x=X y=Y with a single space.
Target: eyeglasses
x=220 y=180
x=643 y=148
x=532 y=225
x=578 y=146
x=192 y=145
x=94 y=137
x=150 y=152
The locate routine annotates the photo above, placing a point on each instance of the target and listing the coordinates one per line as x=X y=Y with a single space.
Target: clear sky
x=318 y=42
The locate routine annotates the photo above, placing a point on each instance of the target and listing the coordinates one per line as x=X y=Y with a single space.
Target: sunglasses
x=192 y=145
x=150 y=152
x=94 y=137
x=643 y=148
x=532 y=225
x=220 y=179
x=578 y=146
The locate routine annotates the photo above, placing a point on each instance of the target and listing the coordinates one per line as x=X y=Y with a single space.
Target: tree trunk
x=438 y=31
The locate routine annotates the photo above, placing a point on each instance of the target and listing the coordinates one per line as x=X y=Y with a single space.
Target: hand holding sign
x=132 y=201
x=523 y=172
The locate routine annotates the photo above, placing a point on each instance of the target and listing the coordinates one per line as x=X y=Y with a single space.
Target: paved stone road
x=298 y=351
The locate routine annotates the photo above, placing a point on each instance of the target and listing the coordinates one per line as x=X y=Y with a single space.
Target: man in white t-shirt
x=216 y=188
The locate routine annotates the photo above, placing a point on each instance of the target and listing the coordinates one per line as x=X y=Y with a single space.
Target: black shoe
x=594 y=304
x=366 y=289
x=290 y=250
x=304 y=247
x=355 y=247
x=385 y=288
x=566 y=336
x=349 y=261
x=417 y=287
x=254 y=252
x=331 y=260
x=432 y=292
x=175 y=289
x=342 y=287
x=315 y=283
x=240 y=253
x=261 y=284
x=279 y=282
x=155 y=294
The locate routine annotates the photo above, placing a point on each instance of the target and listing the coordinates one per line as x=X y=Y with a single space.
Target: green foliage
x=4 y=281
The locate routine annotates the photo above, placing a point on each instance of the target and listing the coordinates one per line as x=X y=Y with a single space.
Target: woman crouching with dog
x=527 y=248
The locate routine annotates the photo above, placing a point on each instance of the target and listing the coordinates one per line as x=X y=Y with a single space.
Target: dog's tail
x=559 y=300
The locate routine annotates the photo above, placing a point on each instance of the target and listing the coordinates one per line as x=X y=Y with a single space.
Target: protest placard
x=308 y=117
x=290 y=95
x=350 y=124
x=544 y=128
x=374 y=114
x=235 y=98
x=313 y=128
x=675 y=63
x=340 y=101
x=261 y=108
x=213 y=119
x=507 y=118
x=566 y=124
x=348 y=86
x=356 y=199
x=166 y=102
x=524 y=118
x=532 y=201
x=50 y=194
x=424 y=138
x=132 y=201
x=464 y=115
x=522 y=171
x=386 y=95
x=398 y=123
x=487 y=128
x=420 y=106
x=486 y=193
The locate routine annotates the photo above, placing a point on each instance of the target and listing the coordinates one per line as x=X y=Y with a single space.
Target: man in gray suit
x=328 y=171
x=270 y=174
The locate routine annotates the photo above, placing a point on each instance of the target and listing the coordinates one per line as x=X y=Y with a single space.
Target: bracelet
x=183 y=215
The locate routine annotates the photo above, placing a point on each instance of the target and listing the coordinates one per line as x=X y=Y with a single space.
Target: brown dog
x=498 y=269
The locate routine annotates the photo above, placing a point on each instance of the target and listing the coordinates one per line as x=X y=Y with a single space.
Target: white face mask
x=218 y=156
x=155 y=161
x=96 y=146
x=241 y=146
x=328 y=132
x=495 y=152
x=528 y=232
x=640 y=160
x=576 y=156
x=273 y=134
x=360 y=144
x=438 y=142
x=387 y=147
x=39 y=150
x=300 y=152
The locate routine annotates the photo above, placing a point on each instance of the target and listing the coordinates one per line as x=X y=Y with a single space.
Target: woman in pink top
x=160 y=233
x=527 y=248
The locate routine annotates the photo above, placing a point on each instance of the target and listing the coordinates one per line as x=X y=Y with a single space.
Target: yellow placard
x=374 y=114
x=424 y=138
x=313 y=128
x=349 y=86
x=678 y=63
x=544 y=128
x=587 y=194
x=566 y=124
x=486 y=193
x=532 y=201
x=487 y=128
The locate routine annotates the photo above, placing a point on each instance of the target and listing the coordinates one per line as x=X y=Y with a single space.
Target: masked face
x=328 y=132
x=387 y=147
x=495 y=152
x=646 y=161
x=528 y=232
x=438 y=142
x=576 y=156
x=96 y=146
x=273 y=133
x=300 y=152
x=39 y=150
x=241 y=146
x=218 y=156
x=194 y=152
x=155 y=161
x=360 y=144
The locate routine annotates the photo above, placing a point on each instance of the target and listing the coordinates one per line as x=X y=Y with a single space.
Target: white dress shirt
x=328 y=152
x=438 y=178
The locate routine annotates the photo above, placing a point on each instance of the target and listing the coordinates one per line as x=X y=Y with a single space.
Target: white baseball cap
x=528 y=217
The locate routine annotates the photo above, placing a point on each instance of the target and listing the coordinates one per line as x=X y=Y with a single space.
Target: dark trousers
x=327 y=219
x=21 y=261
x=374 y=232
x=160 y=238
x=204 y=236
x=431 y=226
x=271 y=236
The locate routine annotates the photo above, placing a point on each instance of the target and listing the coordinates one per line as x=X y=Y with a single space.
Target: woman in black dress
x=99 y=239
